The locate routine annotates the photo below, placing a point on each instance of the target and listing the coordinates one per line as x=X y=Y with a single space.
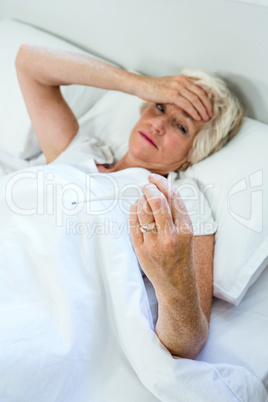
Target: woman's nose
x=159 y=125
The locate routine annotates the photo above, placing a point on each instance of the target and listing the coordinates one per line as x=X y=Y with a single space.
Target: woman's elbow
x=194 y=344
x=198 y=346
x=23 y=55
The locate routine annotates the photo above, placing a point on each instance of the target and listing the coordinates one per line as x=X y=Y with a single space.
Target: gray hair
x=226 y=121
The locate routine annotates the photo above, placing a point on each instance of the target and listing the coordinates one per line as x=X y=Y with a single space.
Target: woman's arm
x=41 y=71
x=179 y=266
x=183 y=322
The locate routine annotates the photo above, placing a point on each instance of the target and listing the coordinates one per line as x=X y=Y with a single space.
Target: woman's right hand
x=179 y=90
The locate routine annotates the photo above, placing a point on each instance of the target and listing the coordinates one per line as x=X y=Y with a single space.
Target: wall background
x=227 y=37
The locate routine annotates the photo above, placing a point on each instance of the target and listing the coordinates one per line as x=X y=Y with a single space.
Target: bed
x=46 y=352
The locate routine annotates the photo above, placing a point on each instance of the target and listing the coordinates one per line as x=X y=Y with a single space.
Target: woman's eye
x=160 y=107
x=182 y=128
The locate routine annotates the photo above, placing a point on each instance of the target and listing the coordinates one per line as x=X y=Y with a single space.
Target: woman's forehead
x=179 y=112
x=171 y=107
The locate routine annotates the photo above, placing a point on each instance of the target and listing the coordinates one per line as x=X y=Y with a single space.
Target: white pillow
x=17 y=138
x=111 y=120
x=235 y=182
x=241 y=246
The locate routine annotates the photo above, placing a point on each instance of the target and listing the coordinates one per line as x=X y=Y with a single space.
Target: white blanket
x=75 y=322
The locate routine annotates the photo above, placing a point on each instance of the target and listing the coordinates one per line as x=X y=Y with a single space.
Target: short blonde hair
x=226 y=121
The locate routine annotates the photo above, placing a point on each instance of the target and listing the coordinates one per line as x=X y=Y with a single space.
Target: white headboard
x=159 y=37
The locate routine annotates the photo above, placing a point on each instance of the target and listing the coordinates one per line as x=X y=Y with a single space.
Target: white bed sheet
x=76 y=324
x=238 y=334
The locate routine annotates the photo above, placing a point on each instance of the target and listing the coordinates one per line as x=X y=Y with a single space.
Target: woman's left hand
x=166 y=251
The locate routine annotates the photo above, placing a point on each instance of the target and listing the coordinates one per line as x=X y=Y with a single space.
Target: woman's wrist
x=132 y=83
x=175 y=279
x=181 y=293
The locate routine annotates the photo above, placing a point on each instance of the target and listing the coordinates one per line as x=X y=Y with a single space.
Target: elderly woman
x=185 y=119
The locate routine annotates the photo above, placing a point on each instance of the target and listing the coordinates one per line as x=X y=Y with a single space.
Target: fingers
x=161 y=204
x=134 y=226
x=202 y=95
x=159 y=207
x=196 y=103
x=176 y=204
x=194 y=100
x=187 y=106
x=145 y=213
x=180 y=90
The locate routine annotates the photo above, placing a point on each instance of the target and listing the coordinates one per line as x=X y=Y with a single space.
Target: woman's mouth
x=148 y=138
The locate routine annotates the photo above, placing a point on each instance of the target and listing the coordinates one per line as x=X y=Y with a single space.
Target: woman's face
x=162 y=138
